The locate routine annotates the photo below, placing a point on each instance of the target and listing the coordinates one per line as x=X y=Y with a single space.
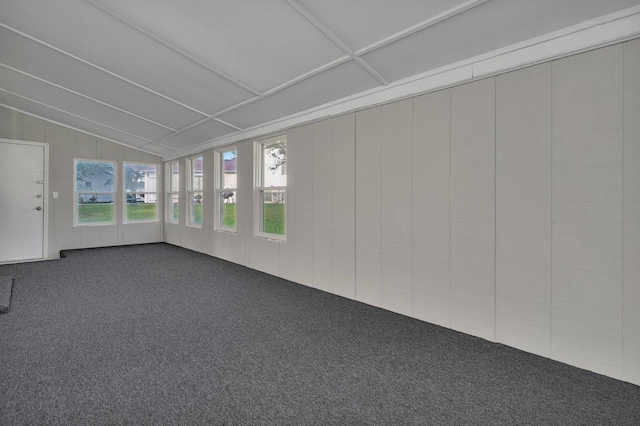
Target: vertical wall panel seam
x=355 y=212
x=413 y=293
x=450 y=197
x=495 y=208
x=551 y=112
x=624 y=123
x=381 y=110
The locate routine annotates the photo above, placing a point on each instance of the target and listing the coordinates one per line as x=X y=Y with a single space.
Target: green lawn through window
x=141 y=211
x=273 y=219
x=229 y=215
x=95 y=213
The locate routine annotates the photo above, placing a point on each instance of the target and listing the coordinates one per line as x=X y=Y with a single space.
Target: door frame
x=45 y=196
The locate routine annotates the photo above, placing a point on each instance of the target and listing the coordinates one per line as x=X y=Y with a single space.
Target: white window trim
x=219 y=171
x=190 y=191
x=258 y=189
x=169 y=193
x=114 y=193
x=124 y=193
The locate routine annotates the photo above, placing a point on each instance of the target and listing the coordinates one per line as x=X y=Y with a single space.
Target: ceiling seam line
x=257 y=98
x=106 y=71
x=305 y=76
x=421 y=26
x=86 y=97
x=176 y=49
x=74 y=115
x=306 y=13
x=57 y=123
x=320 y=26
x=364 y=64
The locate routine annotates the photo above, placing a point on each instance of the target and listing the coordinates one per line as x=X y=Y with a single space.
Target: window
x=94 y=192
x=226 y=188
x=270 y=188
x=172 y=185
x=194 y=191
x=140 y=192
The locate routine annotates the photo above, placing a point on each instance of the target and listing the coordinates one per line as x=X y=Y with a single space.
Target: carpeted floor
x=159 y=335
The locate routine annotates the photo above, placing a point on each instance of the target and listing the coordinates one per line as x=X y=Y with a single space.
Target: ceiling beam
x=106 y=71
x=155 y=37
x=87 y=97
x=306 y=13
x=470 y=4
x=76 y=115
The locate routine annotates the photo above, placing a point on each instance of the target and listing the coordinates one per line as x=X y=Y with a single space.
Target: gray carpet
x=6 y=287
x=159 y=335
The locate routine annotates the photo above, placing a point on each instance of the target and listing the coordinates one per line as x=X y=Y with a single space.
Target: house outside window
x=172 y=185
x=226 y=189
x=195 y=187
x=270 y=188
x=94 y=192
x=140 y=192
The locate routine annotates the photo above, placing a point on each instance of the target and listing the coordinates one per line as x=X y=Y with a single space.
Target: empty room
x=305 y=212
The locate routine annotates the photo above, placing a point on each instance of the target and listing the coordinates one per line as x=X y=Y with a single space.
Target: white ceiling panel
x=493 y=25
x=117 y=47
x=336 y=83
x=35 y=59
x=47 y=113
x=144 y=72
x=51 y=95
x=208 y=130
x=262 y=43
x=159 y=149
x=360 y=23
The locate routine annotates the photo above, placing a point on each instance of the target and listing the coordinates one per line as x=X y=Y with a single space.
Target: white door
x=22 y=167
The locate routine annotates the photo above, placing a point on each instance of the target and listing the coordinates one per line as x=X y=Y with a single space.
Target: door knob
x=38 y=208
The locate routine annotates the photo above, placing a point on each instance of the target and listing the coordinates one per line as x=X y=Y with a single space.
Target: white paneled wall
x=64 y=145
x=523 y=209
x=430 y=203
x=507 y=208
x=344 y=283
x=367 y=199
x=473 y=208
x=587 y=210
x=631 y=213
x=395 y=207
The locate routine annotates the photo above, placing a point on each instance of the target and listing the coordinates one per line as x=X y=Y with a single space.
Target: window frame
x=259 y=189
x=170 y=192
x=191 y=191
x=113 y=193
x=125 y=193
x=219 y=180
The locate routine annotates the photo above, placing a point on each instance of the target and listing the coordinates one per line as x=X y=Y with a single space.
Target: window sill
x=275 y=238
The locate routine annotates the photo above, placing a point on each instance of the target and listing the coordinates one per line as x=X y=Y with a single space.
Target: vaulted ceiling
x=165 y=75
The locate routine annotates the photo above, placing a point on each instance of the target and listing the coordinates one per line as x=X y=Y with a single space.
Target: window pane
x=95 y=176
x=174 y=179
x=229 y=169
x=196 y=174
x=274 y=159
x=196 y=208
x=139 y=178
x=141 y=207
x=174 y=207
x=273 y=211
x=95 y=208
x=228 y=209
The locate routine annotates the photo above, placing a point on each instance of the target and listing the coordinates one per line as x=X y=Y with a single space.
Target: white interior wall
x=506 y=208
x=631 y=215
x=64 y=145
